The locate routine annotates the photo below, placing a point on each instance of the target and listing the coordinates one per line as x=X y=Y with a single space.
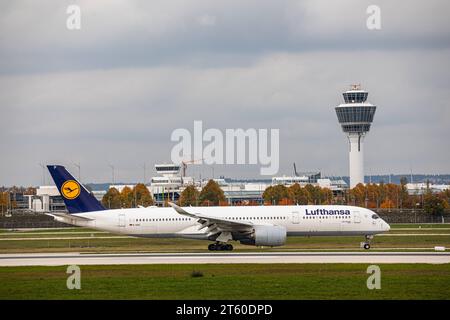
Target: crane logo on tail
x=70 y=189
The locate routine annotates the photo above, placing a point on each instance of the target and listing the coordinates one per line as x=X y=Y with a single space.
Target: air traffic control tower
x=355 y=117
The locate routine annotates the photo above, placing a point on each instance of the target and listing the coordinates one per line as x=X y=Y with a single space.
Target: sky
x=112 y=92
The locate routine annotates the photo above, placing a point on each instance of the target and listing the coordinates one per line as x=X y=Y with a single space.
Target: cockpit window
x=375 y=216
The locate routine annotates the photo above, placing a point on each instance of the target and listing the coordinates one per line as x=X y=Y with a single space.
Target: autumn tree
x=142 y=196
x=358 y=195
x=387 y=204
x=298 y=194
x=274 y=194
x=405 y=199
x=189 y=196
x=211 y=194
x=111 y=199
x=3 y=202
x=126 y=197
x=434 y=204
x=326 y=196
x=314 y=194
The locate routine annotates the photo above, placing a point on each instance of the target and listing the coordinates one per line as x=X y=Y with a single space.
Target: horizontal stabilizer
x=68 y=216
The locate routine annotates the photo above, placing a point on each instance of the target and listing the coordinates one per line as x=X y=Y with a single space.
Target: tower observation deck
x=355 y=116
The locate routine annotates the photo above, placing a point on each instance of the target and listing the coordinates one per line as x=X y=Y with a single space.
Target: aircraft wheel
x=229 y=247
x=212 y=247
x=367 y=246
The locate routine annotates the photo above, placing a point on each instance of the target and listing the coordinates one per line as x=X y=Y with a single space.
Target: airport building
x=170 y=182
x=422 y=188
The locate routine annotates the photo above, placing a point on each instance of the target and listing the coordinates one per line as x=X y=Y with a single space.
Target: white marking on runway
x=66 y=238
x=412 y=234
x=57 y=259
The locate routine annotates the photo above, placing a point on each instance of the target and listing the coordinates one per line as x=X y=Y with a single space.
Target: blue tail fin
x=75 y=195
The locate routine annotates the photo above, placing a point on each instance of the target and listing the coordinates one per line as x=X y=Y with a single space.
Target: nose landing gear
x=366 y=245
x=220 y=247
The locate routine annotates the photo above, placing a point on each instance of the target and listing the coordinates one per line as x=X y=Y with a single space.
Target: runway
x=57 y=259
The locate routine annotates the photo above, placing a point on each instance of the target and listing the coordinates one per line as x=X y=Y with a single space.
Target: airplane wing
x=216 y=226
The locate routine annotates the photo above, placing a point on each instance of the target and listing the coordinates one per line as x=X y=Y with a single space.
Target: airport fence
x=411 y=216
x=30 y=220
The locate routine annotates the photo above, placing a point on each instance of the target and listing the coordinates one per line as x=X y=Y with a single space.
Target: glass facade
x=167 y=168
x=356 y=127
x=355 y=114
x=355 y=119
x=355 y=97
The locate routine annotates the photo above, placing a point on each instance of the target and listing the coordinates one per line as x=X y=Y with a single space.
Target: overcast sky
x=113 y=91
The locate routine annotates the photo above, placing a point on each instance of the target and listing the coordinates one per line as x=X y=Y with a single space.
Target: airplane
x=249 y=225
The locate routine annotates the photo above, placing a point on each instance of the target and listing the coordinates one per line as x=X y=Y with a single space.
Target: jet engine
x=266 y=236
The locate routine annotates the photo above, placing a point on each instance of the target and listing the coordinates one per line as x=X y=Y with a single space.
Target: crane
x=185 y=163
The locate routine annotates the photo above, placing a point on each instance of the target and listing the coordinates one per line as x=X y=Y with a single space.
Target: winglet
x=181 y=210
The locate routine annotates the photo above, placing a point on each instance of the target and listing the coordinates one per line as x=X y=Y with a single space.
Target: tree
x=142 y=195
x=405 y=200
x=3 y=202
x=298 y=194
x=211 y=194
x=433 y=204
x=314 y=194
x=358 y=194
x=111 y=199
x=274 y=194
x=387 y=204
x=126 y=197
x=189 y=196
x=326 y=196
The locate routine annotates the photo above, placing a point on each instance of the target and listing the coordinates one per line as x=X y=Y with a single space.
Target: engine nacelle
x=269 y=235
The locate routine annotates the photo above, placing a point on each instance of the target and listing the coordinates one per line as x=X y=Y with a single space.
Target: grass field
x=223 y=281
x=243 y=281
x=404 y=236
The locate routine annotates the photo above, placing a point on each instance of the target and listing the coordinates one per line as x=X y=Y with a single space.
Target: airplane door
x=356 y=217
x=295 y=217
x=122 y=220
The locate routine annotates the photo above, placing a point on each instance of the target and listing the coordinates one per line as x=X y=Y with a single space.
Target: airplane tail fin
x=76 y=197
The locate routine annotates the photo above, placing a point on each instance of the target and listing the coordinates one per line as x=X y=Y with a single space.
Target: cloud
x=120 y=34
x=207 y=20
x=114 y=92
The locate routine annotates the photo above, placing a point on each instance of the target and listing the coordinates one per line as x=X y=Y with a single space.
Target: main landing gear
x=366 y=245
x=220 y=247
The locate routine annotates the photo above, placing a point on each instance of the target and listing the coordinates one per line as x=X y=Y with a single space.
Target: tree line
x=139 y=195
x=210 y=195
x=384 y=196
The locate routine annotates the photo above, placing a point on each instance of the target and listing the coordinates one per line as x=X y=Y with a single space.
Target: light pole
x=145 y=173
x=43 y=173
x=113 y=176
x=78 y=165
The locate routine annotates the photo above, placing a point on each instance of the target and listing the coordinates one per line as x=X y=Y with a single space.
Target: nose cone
x=386 y=226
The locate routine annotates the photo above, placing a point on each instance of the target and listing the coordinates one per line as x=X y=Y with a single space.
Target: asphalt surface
x=56 y=259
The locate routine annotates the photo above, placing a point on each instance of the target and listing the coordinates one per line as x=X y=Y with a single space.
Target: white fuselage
x=298 y=220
